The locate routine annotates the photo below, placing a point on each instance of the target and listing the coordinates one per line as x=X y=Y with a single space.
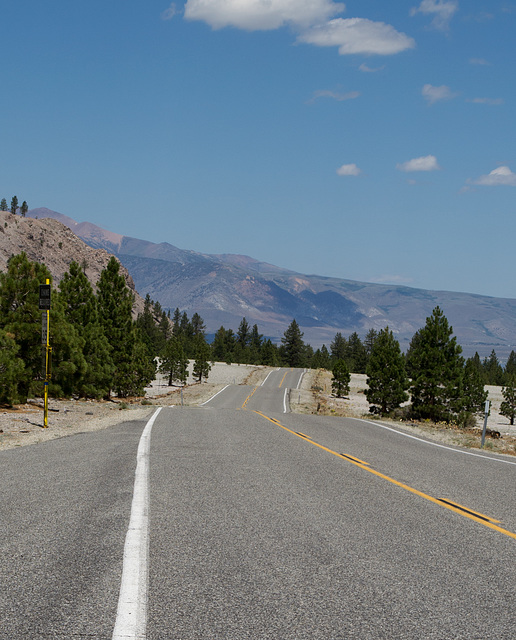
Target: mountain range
x=224 y=288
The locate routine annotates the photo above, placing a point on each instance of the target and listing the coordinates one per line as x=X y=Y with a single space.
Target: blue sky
x=369 y=140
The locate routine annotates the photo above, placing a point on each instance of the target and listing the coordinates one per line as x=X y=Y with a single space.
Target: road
x=263 y=524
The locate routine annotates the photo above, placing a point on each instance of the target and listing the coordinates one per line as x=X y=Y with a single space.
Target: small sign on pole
x=44 y=297
x=486 y=414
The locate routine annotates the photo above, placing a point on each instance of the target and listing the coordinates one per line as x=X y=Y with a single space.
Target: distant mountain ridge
x=224 y=288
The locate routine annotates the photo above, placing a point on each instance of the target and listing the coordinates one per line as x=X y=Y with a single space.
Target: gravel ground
x=23 y=425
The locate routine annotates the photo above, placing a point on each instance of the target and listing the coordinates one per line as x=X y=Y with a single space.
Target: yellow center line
x=282 y=379
x=463 y=511
x=248 y=398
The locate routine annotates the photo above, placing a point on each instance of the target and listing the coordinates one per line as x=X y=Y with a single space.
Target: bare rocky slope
x=53 y=244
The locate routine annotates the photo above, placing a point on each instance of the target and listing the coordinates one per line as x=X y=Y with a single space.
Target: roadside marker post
x=486 y=413
x=44 y=305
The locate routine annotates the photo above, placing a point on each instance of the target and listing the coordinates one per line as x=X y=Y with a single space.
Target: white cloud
x=442 y=11
x=490 y=101
x=312 y=20
x=259 y=15
x=501 y=176
x=169 y=13
x=436 y=94
x=349 y=170
x=358 y=35
x=366 y=69
x=335 y=95
x=425 y=163
x=480 y=61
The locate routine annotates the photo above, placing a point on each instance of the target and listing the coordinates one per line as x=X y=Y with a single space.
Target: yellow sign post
x=44 y=304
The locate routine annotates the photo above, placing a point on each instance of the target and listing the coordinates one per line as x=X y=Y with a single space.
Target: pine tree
x=24 y=208
x=369 y=341
x=510 y=366
x=508 y=406
x=269 y=354
x=386 y=377
x=356 y=355
x=293 y=346
x=134 y=369
x=3 y=205
x=322 y=359
x=341 y=378
x=80 y=309
x=339 y=347
x=11 y=369
x=493 y=370
x=473 y=394
x=202 y=367
x=243 y=333
x=255 y=345
x=174 y=362
x=437 y=367
x=14 y=204
x=20 y=315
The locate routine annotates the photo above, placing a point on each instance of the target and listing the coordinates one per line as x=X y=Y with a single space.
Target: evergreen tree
x=473 y=394
x=198 y=326
x=510 y=366
x=222 y=345
x=322 y=359
x=255 y=345
x=493 y=370
x=176 y=323
x=341 y=378
x=412 y=350
x=14 y=204
x=11 y=369
x=356 y=354
x=202 y=367
x=244 y=333
x=80 y=310
x=20 y=315
x=437 y=367
x=293 y=346
x=153 y=334
x=269 y=354
x=339 y=347
x=386 y=376
x=134 y=369
x=174 y=362
x=369 y=341
x=24 y=208
x=508 y=406
x=3 y=205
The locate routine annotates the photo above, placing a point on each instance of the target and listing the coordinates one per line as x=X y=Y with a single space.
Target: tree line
x=98 y=349
x=14 y=206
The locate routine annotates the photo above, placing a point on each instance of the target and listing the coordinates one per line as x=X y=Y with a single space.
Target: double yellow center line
x=447 y=504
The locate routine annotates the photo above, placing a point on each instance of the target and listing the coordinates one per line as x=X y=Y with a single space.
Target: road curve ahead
x=263 y=524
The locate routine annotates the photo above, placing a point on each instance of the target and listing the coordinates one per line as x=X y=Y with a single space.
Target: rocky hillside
x=52 y=243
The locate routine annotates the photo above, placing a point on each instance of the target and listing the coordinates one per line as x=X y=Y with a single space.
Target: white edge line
x=285 y=401
x=131 y=617
x=267 y=377
x=434 y=444
x=301 y=378
x=214 y=396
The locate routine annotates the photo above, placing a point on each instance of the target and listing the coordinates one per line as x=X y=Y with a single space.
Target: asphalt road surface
x=261 y=524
